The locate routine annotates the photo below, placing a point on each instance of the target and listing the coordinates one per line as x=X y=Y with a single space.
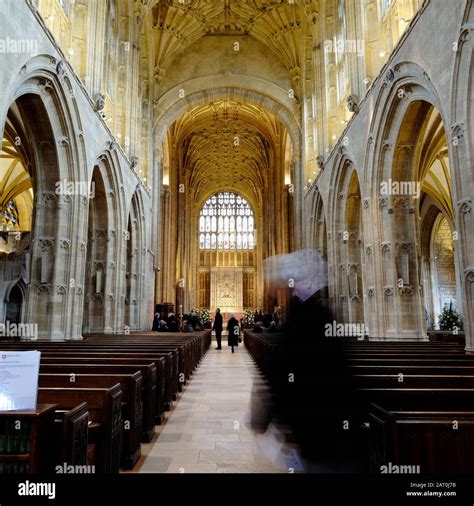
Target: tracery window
x=226 y=222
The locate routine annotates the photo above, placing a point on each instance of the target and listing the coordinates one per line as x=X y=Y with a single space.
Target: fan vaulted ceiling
x=226 y=145
x=176 y=24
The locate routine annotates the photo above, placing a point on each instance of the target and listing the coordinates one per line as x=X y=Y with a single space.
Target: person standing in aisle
x=217 y=327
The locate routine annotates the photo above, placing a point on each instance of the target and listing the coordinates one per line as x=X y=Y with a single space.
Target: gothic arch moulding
x=201 y=91
x=410 y=84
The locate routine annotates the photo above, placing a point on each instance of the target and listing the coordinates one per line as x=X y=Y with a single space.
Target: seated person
x=163 y=326
x=258 y=316
x=187 y=327
x=258 y=327
x=195 y=321
x=267 y=318
x=156 y=323
x=272 y=327
x=173 y=322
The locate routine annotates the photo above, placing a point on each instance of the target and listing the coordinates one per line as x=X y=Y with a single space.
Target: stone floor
x=208 y=430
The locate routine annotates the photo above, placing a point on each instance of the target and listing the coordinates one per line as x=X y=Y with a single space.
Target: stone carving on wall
x=99 y=102
x=404 y=247
x=465 y=206
x=49 y=197
x=457 y=133
x=353 y=103
x=226 y=288
x=320 y=162
x=43 y=289
x=46 y=244
x=385 y=247
x=61 y=68
x=405 y=291
x=383 y=202
x=469 y=276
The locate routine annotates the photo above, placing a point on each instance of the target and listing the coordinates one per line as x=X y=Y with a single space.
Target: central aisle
x=208 y=431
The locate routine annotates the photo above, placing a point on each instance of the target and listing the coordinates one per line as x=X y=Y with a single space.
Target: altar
x=226 y=289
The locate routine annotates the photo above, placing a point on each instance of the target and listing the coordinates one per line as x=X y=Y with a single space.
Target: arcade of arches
x=159 y=151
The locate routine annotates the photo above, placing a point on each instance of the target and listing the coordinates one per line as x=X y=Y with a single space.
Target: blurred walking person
x=234 y=332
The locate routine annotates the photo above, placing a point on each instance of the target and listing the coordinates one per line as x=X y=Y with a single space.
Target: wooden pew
x=148 y=372
x=132 y=404
x=438 y=385
x=414 y=380
x=412 y=369
x=73 y=438
x=51 y=357
x=165 y=363
x=436 y=441
x=105 y=410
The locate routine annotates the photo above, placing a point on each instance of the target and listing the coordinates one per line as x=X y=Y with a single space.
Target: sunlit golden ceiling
x=434 y=169
x=226 y=145
x=16 y=190
x=176 y=25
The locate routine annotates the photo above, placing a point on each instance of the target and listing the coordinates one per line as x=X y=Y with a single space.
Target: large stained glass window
x=226 y=222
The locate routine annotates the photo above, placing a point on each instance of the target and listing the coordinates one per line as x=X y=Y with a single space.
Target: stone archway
x=259 y=93
x=348 y=237
x=249 y=147
x=97 y=271
x=443 y=292
x=415 y=140
x=15 y=303
x=134 y=272
x=44 y=113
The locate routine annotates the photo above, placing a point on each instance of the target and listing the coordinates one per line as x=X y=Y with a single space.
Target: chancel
x=295 y=176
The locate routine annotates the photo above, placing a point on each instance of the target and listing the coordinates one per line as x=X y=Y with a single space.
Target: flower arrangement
x=248 y=316
x=204 y=315
x=450 y=319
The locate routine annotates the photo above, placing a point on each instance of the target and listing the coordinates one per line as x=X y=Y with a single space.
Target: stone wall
x=431 y=67
x=79 y=142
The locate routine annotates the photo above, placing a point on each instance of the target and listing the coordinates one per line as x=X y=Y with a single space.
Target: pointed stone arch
x=42 y=103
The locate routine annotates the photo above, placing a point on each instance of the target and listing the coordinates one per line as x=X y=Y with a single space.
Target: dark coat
x=195 y=323
x=173 y=323
x=234 y=332
x=319 y=372
x=156 y=324
x=217 y=322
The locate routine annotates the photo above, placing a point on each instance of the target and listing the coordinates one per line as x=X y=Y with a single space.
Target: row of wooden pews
x=420 y=402
x=109 y=392
x=415 y=401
